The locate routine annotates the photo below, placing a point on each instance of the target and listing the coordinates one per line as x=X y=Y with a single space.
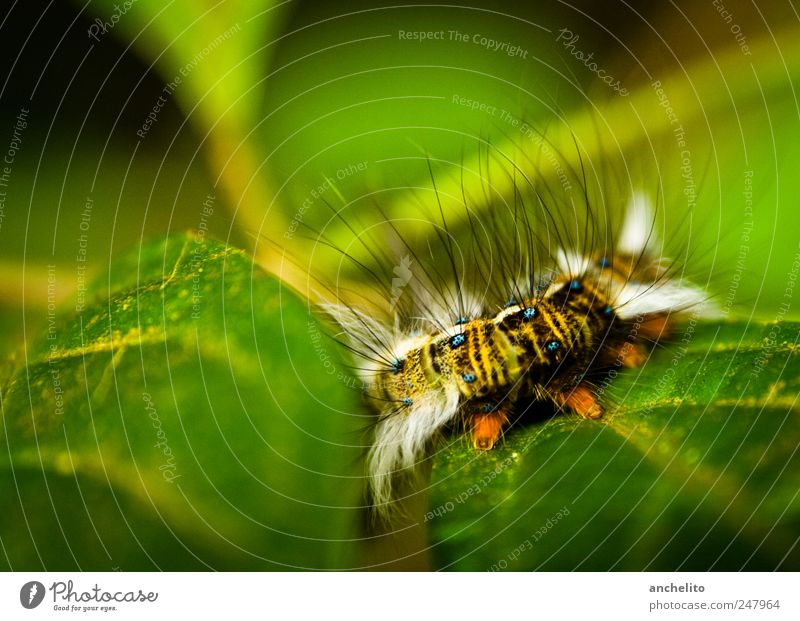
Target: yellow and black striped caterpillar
x=465 y=354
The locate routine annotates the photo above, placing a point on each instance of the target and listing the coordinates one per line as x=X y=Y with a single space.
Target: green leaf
x=196 y=418
x=694 y=467
x=213 y=58
x=718 y=169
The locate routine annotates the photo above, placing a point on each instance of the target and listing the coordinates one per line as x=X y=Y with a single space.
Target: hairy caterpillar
x=520 y=312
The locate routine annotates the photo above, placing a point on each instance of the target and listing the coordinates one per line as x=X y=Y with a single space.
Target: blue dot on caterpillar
x=458 y=340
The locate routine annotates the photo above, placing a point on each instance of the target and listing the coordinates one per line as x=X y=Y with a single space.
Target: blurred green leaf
x=213 y=57
x=194 y=419
x=729 y=132
x=694 y=467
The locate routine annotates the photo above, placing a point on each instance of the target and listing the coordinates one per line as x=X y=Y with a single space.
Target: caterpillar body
x=458 y=357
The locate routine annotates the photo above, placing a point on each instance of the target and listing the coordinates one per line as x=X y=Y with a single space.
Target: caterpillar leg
x=632 y=355
x=582 y=400
x=487 y=427
x=656 y=327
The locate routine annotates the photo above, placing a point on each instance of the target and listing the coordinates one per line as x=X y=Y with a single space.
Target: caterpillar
x=528 y=316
